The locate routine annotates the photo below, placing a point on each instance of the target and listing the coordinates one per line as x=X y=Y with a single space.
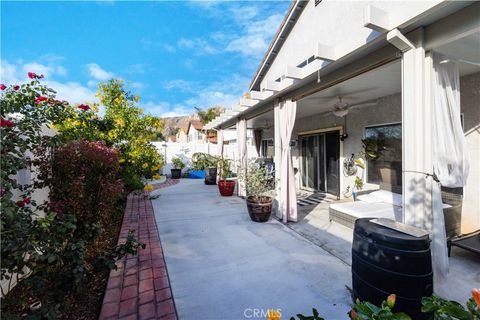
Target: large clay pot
x=226 y=187
x=176 y=173
x=259 y=211
x=211 y=176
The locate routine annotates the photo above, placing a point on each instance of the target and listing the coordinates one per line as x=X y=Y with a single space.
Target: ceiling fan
x=341 y=108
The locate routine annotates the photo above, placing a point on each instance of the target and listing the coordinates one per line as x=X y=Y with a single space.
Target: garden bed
x=86 y=303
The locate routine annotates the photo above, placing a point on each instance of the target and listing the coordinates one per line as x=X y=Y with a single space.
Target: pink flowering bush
x=49 y=249
x=84 y=180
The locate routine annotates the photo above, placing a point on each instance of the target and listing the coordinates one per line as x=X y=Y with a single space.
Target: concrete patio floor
x=224 y=266
x=335 y=238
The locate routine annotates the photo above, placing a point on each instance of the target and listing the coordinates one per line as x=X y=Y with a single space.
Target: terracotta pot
x=176 y=173
x=259 y=211
x=226 y=187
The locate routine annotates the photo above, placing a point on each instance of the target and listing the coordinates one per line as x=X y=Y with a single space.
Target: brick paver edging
x=140 y=288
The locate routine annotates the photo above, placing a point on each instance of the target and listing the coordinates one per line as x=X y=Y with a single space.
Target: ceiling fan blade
x=361 y=105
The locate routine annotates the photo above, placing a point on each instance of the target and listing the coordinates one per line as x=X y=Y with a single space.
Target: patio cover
x=242 y=152
x=220 y=147
x=450 y=161
x=288 y=196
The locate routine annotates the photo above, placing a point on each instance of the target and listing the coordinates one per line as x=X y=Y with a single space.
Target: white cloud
x=98 y=73
x=256 y=36
x=73 y=92
x=170 y=48
x=181 y=85
x=249 y=35
x=165 y=109
x=197 y=45
x=46 y=70
x=138 y=68
x=224 y=92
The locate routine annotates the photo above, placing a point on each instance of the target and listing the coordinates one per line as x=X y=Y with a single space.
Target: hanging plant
x=372 y=148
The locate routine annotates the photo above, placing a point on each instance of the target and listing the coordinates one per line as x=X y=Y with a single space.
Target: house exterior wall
x=470 y=107
x=181 y=136
x=333 y=20
x=388 y=110
x=195 y=136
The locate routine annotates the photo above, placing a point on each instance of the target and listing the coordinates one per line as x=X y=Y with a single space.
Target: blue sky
x=175 y=54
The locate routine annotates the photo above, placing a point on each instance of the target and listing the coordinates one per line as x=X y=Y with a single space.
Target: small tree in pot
x=178 y=165
x=259 y=186
x=208 y=164
x=226 y=187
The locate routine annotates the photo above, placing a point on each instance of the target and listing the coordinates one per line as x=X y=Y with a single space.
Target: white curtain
x=220 y=148
x=242 y=152
x=288 y=196
x=450 y=161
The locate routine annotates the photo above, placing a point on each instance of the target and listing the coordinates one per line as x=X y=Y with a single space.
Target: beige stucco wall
x=470 y=107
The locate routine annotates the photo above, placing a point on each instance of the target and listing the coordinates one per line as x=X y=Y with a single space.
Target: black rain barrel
x=386 y=261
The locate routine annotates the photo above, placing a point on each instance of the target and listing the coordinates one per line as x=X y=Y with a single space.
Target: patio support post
x=242 y=153
x=277 y=156
x=285 y=113
x=220 y=148
x=417 y=134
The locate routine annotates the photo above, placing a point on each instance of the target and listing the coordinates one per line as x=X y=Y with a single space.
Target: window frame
x=385 y=124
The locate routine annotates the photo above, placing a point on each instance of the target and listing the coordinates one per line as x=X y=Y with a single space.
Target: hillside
x=174 y=123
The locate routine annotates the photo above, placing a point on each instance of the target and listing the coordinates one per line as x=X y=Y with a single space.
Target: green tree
x=124 y=126
x=208 y=114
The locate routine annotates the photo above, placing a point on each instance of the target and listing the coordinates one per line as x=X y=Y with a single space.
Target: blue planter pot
x=196 y=174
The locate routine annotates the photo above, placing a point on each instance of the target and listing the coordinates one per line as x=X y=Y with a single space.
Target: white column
x=416 y=134
x=242 y=153
x=278 y=156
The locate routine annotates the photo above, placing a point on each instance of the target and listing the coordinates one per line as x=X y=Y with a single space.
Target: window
x=384 y=163
x=267 y=149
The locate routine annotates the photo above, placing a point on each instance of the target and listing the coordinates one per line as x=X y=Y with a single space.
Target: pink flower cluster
x=23 y=202
x=33 y=75
x=3 y=87
x=6 y=123
x=84 y=107
x=40 y=99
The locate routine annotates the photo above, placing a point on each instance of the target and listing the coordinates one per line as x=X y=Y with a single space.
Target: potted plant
x=226 y=187
x=259 y=186
x=178 y=165
x=357 y=186
x=207 y=164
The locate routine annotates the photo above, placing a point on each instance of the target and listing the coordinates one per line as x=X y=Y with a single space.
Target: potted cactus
x=178 y=165
x=259 y=186
x=226 y=187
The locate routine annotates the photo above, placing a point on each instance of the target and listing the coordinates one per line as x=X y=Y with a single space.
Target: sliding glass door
x=309 y=159
x=319 y=162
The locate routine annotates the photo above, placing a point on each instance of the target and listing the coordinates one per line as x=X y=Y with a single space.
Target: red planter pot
x=226 y=187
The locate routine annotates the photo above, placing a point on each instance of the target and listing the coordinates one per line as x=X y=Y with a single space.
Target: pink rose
x=6 y=123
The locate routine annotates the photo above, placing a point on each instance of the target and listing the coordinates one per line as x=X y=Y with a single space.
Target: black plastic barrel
x=386 y=261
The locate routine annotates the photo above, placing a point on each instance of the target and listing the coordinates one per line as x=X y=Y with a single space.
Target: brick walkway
x=140 y=288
